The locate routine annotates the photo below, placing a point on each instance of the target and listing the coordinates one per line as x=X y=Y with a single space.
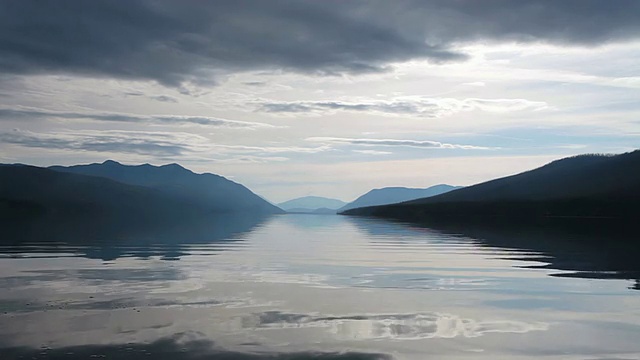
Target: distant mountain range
x=110 y=189
x=206 y=190
x=595 y=186
x=392 y=195
x=388 y=195
x=312 y=204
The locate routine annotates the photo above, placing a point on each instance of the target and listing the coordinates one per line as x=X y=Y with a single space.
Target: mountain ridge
x=395 y=194
x=35 y=191
x=586 y=186
x=207 y=189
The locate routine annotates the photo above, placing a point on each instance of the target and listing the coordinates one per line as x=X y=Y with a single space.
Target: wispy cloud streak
x=158 y=144
x=406 y=106
x=22 y=113
x=392 y=142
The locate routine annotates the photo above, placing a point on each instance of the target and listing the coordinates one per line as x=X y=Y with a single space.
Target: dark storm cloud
x=177 y=41
x=36 y=114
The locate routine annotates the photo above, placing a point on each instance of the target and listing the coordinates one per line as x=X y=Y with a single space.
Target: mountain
x=31 y=192
x=595 y=186
x=208 y=191
x=311 y=203
x=392 y=195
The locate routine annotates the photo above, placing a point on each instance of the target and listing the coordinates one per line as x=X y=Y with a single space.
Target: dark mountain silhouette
x=309 y=204
x=208 y=191
x=29 y=191
x=598 y=186
x=392 y=195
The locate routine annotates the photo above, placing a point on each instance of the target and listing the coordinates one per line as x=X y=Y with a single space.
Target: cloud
x=372 y=152
x=22 y=113
x=276 y=149
x=164 y=98
x=158 y=144
x=390 y=142
x=414 y=106
x=255 y=83
x=476 y=84
x=255 y=159
x=179 y=42
x=153 y=144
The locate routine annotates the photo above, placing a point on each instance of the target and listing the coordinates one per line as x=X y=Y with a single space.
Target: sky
x=327 y=98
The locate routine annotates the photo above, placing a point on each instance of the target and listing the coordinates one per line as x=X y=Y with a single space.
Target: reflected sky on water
x=317 y=287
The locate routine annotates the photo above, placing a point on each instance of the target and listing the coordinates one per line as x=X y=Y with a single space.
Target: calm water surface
x=316 y=287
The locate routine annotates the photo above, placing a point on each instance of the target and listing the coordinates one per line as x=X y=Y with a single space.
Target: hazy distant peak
x=311 y=203
x=311 y=197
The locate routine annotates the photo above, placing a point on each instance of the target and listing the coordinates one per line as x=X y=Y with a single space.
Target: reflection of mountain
x=392 y=195
x=108 y=239
x=177 y=347
x=581 y=248
x=319 y=211
x=582 y=186
x=312 y=221
x=204 y=190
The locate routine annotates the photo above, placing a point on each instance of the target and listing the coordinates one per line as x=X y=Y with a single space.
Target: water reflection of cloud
x=392 y=326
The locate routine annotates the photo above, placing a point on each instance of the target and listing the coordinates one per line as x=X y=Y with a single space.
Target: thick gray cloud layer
x=177 y=41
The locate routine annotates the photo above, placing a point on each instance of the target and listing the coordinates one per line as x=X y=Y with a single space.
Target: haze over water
x=308 y=284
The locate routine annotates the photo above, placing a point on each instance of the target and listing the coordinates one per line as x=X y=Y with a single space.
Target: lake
x=317 y=287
